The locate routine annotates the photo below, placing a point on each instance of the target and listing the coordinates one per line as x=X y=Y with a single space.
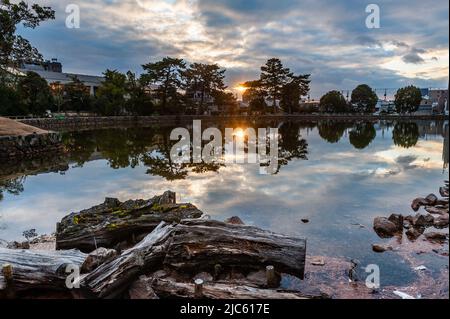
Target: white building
x=51 y=71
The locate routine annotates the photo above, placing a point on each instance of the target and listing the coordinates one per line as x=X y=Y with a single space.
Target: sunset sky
x=328 y=39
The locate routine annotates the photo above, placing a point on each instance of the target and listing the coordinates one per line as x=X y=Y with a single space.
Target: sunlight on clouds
x=427 y=154
x=435 y=65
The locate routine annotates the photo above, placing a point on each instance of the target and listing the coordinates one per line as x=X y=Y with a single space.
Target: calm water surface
x=337 y=175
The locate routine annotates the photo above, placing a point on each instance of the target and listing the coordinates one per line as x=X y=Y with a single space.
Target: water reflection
x=406 y=134
x=150 y=147
x=336 y=174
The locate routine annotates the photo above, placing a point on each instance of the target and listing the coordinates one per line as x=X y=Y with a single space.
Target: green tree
x=111 y=94
x=35 y=93
x=14 y=49
x=292 y=92
x=139 y=101
x=407 y=99
x=167 y=75
x=362 y=135
x=405 y=134
x=255 y=95
x=226 y=102
x=76 y=97
x=273 y=77
x=333 y=102
x=204 y=79
x=10 y=103
x=364 y=99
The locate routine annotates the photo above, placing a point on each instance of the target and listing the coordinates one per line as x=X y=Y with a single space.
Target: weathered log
x=166 y=288
x=39 y=269
x=113 y=222
x=196 y=245
x=202 y=245
x=112 y=278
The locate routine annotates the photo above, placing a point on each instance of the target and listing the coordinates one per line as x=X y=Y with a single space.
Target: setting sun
x=241 y=88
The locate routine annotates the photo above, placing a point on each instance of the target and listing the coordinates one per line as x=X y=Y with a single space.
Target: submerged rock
x=436 y=237
x=381 y=248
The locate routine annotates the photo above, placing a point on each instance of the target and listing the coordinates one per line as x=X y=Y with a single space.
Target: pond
x=337 y=175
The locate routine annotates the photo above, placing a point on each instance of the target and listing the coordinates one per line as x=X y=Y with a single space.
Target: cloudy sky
x=328 y=39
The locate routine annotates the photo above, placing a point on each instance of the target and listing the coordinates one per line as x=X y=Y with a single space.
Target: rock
x=206 y=277
x=141 y=289
x=235 y=220
x=436 y=210
x=384 y=227
x=418 y=202
x=96 y=258
x=397 y=219
x=18 y=245
x=407 y=224
x=414 y=233
x=423 y=220
x=443 y=191
x=441 y=221
x=318 y=262
x=436 y=237
x=380 y=248
x=432 y=199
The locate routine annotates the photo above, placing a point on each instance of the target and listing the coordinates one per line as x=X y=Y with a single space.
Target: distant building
x=433 y=101
x=51 y=71
x=385 y=106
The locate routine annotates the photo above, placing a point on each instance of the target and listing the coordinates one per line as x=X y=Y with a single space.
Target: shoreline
x=113 y=121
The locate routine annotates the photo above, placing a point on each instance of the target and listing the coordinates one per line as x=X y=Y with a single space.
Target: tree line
x=364 y=100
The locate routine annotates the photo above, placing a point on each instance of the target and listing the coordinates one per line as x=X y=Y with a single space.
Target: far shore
x=100 y=121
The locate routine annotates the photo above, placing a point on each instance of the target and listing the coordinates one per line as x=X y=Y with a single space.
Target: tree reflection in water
x=332 y=131
x=361 y=135
x=405 y=134
x=150 y=147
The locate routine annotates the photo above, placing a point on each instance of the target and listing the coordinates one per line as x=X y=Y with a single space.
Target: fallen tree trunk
x=166 y=288
x=198 y=245
x=206 y=245
x=115 y=223
x=38 y=269
x=112 y=278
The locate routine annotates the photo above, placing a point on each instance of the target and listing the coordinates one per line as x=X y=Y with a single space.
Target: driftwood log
x=167 y=288
x=206 y=245
x=38 y=269
x=112 y=278
x=194 y=246
x=115 y=223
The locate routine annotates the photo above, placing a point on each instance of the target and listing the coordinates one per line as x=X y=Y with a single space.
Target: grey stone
x=384 y=227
